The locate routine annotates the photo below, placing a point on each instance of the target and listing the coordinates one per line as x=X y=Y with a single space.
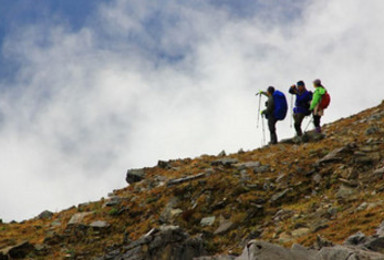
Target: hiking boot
x=318 y=129
x=297 y=139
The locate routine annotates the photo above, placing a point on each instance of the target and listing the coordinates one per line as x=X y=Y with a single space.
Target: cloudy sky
x=89 y=89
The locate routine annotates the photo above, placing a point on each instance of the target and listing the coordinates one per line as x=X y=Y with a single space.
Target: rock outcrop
x=167 y=242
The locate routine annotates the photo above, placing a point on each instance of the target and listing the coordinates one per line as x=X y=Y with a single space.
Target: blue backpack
x=281 y=105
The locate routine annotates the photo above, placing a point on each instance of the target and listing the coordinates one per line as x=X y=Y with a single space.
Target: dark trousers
x=272 y=129
x=316 y=120
x=298 y=119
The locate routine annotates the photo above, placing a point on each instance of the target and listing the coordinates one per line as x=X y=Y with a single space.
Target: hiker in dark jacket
x=269 y=114
x=302 y=104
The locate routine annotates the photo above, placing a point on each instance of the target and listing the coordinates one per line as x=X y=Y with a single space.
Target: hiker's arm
x=315 y=100
x=270 y=106
x=262 y=93
x=293 y=90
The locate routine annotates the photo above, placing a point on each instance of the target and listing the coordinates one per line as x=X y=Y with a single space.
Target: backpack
x=325 y=101
x=281 y=105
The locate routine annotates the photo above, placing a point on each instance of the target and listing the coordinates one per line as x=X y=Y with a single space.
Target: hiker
x=318 y=103
x=302 y=104
x=276 y=110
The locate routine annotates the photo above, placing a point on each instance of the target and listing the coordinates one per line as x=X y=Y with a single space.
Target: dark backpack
x=281 y=105
x=325 y=101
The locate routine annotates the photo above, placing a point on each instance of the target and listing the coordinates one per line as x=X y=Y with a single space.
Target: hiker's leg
x=316 y=121
x=272 y=129
x=298 y=118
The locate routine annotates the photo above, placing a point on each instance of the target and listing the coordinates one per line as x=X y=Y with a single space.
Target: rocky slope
x=319 y=193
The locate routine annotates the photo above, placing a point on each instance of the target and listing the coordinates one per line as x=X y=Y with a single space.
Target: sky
x=89 y=89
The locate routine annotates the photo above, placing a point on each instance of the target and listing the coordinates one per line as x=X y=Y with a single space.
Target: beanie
x=317 y=82
x=271 y=89
x=300 y=83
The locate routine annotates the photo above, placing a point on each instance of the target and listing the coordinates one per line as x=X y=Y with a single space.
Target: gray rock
x=379 y=172
x=45 y=215
x=350 y=183
x=224 y=227
x=260 y=250
x=113 y=201
x=282 y=214
x=164 y=164
x=100 y=224
x=244 y=176
x=372 y=130
x=166 y=243
x=345 y=192
x=332 y=211
x=337 y=154
x=185 y=179
x=56 y=223
x=331 y=157
x=78 y=218
x=247 y=165
x=278 y=196
x=135 y=175
x=355 y=239
x=261 y=169
x=312 y=136
x=166 y=214
x=319 y=225
x=362 y=206
x=227 y=162
x=18 y=251
x=376 y=244
x=208 y=221
x=380 y=230
x=346 y=253
x=322 y=242
x=317 y=178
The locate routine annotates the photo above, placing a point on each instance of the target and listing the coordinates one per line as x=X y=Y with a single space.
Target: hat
x=317 y=82
x=300 y=83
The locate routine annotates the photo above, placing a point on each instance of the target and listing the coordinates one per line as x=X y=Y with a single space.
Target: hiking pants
x=298 y=119
x=272 y=129
x=316 y=122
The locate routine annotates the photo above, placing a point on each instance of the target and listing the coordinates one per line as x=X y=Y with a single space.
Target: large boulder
x=347 y=253
x=168 y=242
x=135 y=175
x=261 y=250
x=18 y=251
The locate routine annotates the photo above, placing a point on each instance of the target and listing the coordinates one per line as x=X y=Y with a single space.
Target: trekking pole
x=258 y=112
x=262 y=123
x=291 y=111
x=310 y=121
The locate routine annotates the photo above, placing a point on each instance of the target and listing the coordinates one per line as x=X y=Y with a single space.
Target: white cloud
x=126 y=90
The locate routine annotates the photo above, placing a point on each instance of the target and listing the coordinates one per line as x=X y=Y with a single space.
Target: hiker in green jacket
x=315 y=104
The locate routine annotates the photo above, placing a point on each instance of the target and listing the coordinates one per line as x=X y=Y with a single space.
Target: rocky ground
x=317 y=198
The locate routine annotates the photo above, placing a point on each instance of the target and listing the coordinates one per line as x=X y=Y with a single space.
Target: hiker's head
x=317 y=83
x=300 y=85
x=270 y=90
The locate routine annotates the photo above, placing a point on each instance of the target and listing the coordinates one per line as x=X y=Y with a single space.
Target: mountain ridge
x=329 y=186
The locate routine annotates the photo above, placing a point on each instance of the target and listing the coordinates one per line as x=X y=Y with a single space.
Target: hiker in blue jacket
x=302 y=104
x=276 y=110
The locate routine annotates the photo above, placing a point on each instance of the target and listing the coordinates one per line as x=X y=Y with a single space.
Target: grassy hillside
x=286 y=193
